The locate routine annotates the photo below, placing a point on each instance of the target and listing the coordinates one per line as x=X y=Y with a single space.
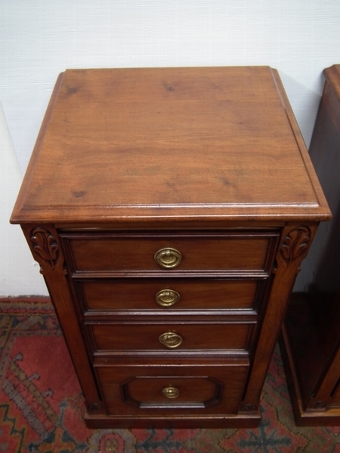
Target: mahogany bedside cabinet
x=169 y=210
x=311 y=330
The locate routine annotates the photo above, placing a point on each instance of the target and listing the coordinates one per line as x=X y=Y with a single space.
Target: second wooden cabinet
x=311 y=332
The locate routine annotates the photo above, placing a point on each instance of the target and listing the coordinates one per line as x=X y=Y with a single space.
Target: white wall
x=39 y=39
x=19 y=273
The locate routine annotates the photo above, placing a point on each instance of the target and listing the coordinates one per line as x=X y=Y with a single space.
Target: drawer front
x=109 y=252
x=154 y=389
x=171 y=337
x=166 y=294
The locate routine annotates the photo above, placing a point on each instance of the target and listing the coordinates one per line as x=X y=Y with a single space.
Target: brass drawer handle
x=170 y=392
x=168 y=257
x=167 y=297
x=171 y=340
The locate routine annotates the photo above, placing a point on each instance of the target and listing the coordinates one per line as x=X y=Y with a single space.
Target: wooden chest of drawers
x=170 y=210
x=311 y=331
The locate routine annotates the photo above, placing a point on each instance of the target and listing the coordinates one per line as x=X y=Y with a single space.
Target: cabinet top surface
x=185 y=143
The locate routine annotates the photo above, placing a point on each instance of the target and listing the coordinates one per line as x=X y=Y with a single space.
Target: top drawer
x=170 y=252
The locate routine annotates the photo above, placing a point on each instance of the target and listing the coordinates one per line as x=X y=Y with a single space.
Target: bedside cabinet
x=169 y=210
x=311 y=333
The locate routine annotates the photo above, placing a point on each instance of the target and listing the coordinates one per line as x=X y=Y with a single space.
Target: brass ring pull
x=167 y=297
x=170 y=392
x=168 y=257
x=171 y=340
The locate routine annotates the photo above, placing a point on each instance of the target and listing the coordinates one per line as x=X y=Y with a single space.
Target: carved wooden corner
x=45 y=248
x=296 y=244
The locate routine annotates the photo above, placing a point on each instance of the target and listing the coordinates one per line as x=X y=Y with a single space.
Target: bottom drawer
x=177 y=388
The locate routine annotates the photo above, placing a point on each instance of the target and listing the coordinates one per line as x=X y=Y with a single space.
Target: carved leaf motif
x=296 y=242
x=45 y=245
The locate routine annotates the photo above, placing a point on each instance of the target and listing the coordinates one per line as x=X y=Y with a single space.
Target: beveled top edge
x=255 y=213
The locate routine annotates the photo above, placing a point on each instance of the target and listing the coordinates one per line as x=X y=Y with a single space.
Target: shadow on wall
x=19 y=273
x=304 y=102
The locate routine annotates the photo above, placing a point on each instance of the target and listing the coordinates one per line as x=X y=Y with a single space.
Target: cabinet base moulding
x=329 y=417
x=175 y=422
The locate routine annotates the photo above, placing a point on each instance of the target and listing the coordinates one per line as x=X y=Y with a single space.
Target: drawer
x=172 y=337
x=136 y=252
x=167 y=294
x=154 y=389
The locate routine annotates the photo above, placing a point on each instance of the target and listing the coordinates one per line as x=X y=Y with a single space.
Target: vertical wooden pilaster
x=46 y=250
x=293 y=248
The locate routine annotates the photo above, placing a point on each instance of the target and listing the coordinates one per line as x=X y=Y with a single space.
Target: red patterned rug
x=41 y=404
